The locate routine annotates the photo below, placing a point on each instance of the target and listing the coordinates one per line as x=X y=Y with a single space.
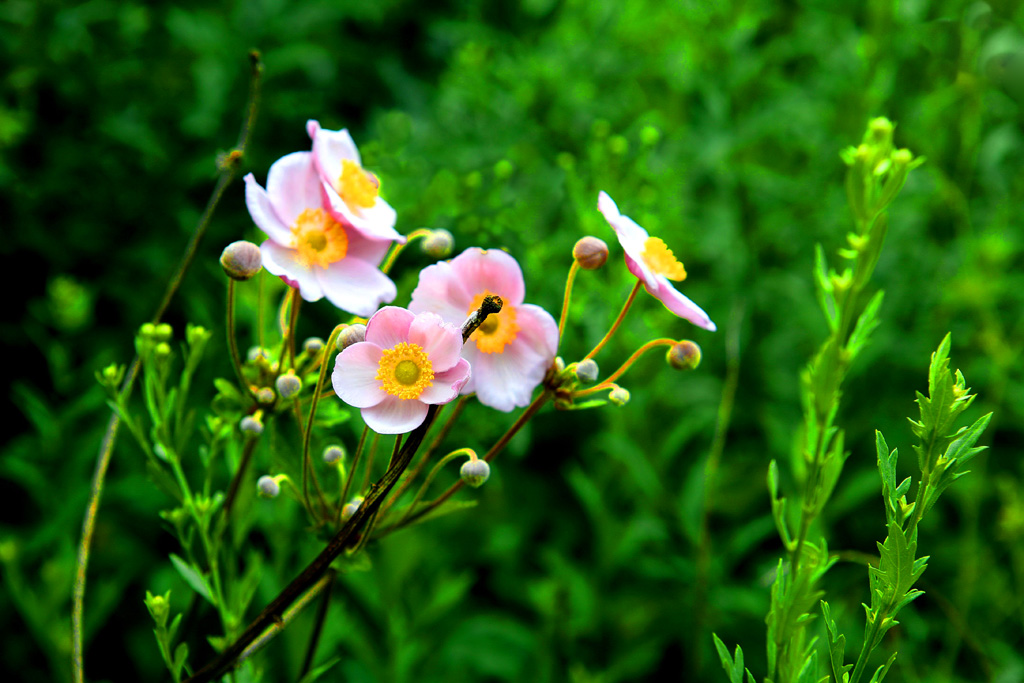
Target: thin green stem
x=606 y=383
x=307 y=464
x=399 y=248
x=568 y=296
x=318 y=623
x=430 y=478
x=618 y=321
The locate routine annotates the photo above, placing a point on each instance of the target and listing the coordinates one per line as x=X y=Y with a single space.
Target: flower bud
x=162 y=350
x=265 y=395
x=251 y=424
x=590 y=252
x=475 y=472
x=288 y=385
x=587 y=370
x=333 y=454
x=619 y=396
x=350 y=508
x=268 y=487
x=197 y=335
x=241 y=260
x=313 y=345
x=163 y=332
x=438 y=244
x=353 y=334
x=257 y=352
x=684 y=355
x=147 y=330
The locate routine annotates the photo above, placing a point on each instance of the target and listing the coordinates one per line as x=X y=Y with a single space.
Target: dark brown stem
x=318 y=624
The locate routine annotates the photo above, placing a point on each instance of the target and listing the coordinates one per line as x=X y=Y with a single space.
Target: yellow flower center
x=661 y=260
x=405 y=371
x=498 y=330
x=358 y=188
x=319 y=239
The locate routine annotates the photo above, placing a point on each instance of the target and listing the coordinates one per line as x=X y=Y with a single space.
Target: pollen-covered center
x=661 y=260
x=319 y=239
x=405 y=370
x=357 y=187
x=498 y=330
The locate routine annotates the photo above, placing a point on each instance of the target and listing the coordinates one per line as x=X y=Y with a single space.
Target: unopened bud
x=163 y=332
x=587 y=370
x=268 y=486
x=684 y=355
x=197 y=335
x=257 y=352
x=590 y=252
x=313 y=345
x=438 y=244
x=619 y=396
x=251 y=425
x=265 y=395
x=147 y=330
x=241 y=260
x=353 y=334
x=162 y=350
x=350 y=508
x=333 y=454
x=288 y=385
x=475 y=472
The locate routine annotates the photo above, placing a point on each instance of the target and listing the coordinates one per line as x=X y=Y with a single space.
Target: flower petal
x=389 y=326
x=446 y=385
x=284 y=263
x=491 y=270
x=376 y=222
x=331 y=147
x=681 y=305
x=506 y=380
x=440 y=291
x=263 y=214
x=371 y=251
x=394 y=415
x=538 y=329
x=442 y=341
x=355 y=375
x=355 y=286
x=294 y=186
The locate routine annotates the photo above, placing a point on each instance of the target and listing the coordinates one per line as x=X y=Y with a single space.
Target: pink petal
x=294 y=186
x=331 y=147
x=539 y=330
x=371 y=251
x=442 y=341
x=376 y=222
x=284 y=263
x=263 y=214
x=680 y=304
x=389 y=326
x=355 y=286
x=440 y=291
x=394 y=415
x=446 y=385
x=607 y=206
x=506 y=380
x=491 y=270
x=355 y=375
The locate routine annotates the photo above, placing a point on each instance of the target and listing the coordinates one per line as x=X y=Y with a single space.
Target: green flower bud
x=475 y=472
x=684 y=355
x=257 y=352
x=619 y=396
x=111 y=376
x=268 y=487
x=162 y=350
x=241 y=260
x=147 y=330
x=197 y=335
x=649 y=136
x=313 y=345
x=353 y=334
x=438 y=244
x=333 y=454
x=163 y=332
x=251 y=424
x=590 y=252
x=265 y=395
x=587 y=370
x=288 y=385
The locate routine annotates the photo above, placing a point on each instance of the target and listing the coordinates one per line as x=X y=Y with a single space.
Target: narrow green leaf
x=866 y=324
x=836 y=646
x=881 y=671
x=193 y=578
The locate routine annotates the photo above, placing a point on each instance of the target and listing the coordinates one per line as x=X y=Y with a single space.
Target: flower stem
x=618 y=321
x=625 y=366
x=318 y=623
x=399 y=248
x=227 y=174
x=307 y=465
x=568 y=296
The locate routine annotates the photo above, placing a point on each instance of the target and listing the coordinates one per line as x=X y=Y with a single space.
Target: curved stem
x=625 y=366
x=227 y=174
x=430 y=478
x=307 y=466
x=236 y=360
x=618 y=321
x=399 y=248
x=569 y=280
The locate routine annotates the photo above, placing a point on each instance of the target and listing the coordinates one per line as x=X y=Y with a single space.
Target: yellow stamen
x=661 y=260
x=405 y=370
x=319 y=239
x=358 y=188
x=498 y=330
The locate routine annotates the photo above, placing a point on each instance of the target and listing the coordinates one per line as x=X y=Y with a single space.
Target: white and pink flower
x=407 y=362
x=308 y=247
x=653 y=263
x=352 y=193
x=512 y=350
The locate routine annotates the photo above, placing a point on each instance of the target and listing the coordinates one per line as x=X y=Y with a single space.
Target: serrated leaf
x=193 y=578
x=866 y=324
x=887 y=471
x=733 y=665
x=836 y=646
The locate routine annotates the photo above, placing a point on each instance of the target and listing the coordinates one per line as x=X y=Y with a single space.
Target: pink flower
x=512 y=350
x=308 y=248
x=352 y=193
x=406 y=363
x=654 y=263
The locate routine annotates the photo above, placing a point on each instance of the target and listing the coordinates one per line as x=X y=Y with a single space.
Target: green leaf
x=319 y=671
x=866 y=324
x=733 y=666
x=836 y=646
x=947 y=398
x=180 y=655
x=193 y=578
x=826 y=296
x=778 y=505
x=880 y=672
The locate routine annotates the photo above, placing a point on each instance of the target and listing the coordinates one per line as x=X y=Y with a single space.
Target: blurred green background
x=715 y=125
